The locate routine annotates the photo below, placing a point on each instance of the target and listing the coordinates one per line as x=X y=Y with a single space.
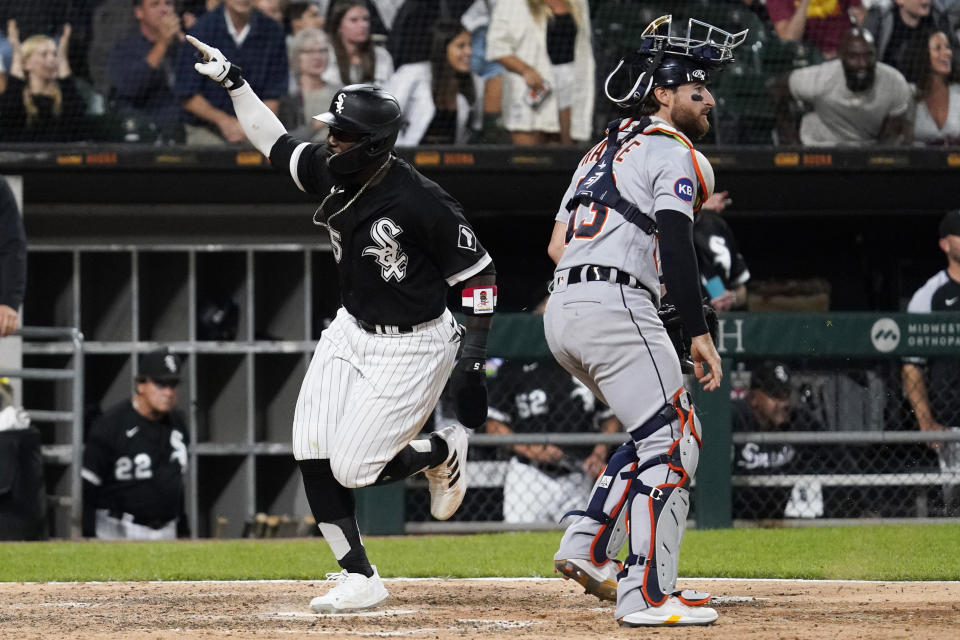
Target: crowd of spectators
x=849 y=72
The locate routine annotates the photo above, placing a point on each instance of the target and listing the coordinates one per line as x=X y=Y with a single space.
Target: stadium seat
x=619 y=25
x=732 y=18
x=744 y=114
x=779 y=56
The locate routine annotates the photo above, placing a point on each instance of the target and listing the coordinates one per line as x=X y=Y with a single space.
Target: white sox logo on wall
x=387 y=252
x=340 y=98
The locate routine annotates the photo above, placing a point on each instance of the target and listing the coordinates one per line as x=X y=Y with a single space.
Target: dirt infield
x=445 y=609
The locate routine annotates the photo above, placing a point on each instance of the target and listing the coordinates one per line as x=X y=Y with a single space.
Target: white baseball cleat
x=353 y=592
x=671 y=613
x=599 y=581
x=448 y=481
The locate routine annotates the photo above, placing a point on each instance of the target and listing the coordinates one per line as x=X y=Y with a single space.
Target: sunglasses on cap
x=343 y=136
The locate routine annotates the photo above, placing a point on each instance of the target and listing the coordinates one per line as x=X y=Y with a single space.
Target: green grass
x=902 y=552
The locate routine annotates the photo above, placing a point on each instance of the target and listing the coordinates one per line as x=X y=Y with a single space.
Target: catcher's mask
x=667 y=60
x=371 y=115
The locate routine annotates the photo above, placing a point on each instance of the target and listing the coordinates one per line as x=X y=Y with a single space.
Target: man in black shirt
x=723 y=271
x=894 y=25
x=13 y=260
x=544 y=482
x=135 y=459
x=766 y=408
x=399 y=242
x=769 y=408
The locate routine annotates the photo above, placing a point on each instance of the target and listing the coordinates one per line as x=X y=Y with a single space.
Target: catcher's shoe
x=598 y=581
x=448 y=481
x=671 y=613
x=353 y=592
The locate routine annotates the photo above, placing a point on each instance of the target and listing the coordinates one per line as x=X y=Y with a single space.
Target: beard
x=860 y=80
x=689 y=122
x=953 y=252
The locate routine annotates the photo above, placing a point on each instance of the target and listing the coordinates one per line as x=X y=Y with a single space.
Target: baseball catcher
x=626 y=221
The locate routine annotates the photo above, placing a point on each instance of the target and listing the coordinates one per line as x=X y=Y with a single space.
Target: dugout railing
x=815 y=340
x=61 y=429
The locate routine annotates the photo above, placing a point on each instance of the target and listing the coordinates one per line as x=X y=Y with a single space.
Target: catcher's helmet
x=666 y=60
x=371 y=114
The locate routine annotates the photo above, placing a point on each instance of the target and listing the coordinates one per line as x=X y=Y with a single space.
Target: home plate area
x=446 y=609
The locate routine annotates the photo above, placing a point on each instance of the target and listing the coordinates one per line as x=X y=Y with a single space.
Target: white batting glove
x=216 y=66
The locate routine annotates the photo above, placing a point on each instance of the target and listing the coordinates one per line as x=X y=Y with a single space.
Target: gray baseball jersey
x=609 y=335
x=604 y=329
x=653 y=172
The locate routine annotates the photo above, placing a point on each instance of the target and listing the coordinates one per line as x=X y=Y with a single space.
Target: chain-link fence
x=813 y=439
x=513 y=479
x=117 y=71
x=822 y=441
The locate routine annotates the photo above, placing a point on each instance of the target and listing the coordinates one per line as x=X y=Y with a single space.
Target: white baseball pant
x=367 y=395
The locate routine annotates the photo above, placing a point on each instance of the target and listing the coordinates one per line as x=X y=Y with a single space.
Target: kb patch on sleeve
x=684 y=189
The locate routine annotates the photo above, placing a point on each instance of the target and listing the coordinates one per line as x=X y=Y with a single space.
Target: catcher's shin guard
x=606 y=508
x=668 y=446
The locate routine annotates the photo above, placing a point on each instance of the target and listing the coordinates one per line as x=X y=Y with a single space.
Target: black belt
x=594 y=273
x=155 y=523
x=388 y=329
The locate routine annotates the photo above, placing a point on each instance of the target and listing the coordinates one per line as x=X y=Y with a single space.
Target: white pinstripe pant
x=367 y=395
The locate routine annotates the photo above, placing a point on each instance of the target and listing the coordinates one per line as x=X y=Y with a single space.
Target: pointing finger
x=201 y=46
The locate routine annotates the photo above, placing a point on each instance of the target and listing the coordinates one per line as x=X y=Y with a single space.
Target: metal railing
x=66 y=453
x=489 y=474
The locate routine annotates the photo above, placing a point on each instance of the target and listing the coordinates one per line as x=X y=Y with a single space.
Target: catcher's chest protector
x=599 y=185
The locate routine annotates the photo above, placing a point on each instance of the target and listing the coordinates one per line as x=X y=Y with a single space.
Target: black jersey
x=137 y=465
x=940 y=293
x=398 y=246
x=717 y=253
x=777 y=458
x=539 y=396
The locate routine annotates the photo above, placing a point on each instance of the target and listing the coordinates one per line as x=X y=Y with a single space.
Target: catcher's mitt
x=679 y=335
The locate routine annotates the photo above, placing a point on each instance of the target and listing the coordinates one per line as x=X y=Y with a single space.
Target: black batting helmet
x=667 y=60
x=369 y=113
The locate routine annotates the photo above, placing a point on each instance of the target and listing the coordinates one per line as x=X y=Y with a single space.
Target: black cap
x=160 y=366
x=950 y=224
x=371 y=114
x=773 y=378
x=363 y=109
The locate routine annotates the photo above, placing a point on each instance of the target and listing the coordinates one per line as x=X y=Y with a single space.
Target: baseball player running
x=627 y=213
x=399 y=242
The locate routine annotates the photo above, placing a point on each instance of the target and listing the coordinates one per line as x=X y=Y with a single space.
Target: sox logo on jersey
x=387 y=252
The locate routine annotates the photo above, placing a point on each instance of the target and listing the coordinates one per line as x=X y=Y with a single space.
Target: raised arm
x=63 y=47
x=13 y=37
x=259 y=123
x=793 y=27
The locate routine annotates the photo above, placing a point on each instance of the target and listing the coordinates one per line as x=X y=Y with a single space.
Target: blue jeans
x=478 y=62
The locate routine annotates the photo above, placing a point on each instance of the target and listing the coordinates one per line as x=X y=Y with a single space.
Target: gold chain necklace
x=326 y=224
